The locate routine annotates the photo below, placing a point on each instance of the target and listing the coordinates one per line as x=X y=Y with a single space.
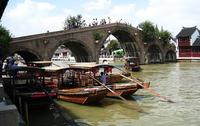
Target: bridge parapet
x=70 y=31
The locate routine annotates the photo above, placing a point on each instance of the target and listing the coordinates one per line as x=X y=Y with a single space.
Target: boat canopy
x=90 y=65
x=40 y=63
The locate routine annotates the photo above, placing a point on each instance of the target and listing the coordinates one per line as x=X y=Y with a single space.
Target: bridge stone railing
x=62 y=32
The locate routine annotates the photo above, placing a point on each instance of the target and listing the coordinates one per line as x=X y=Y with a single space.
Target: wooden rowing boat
x=123 y=90
x=82 y=95
x=113 y=78
x=132 y=63
x=27 y=83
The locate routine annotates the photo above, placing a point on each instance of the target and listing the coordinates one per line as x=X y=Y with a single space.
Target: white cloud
x=94 y=5
x=171 y=14
x=124 y=12
x=30 y=8
x=30 y=17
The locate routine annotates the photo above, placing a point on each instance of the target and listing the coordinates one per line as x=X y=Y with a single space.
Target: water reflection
x=178 y=81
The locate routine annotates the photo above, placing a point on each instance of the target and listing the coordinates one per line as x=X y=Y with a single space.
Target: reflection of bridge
x=84 y=46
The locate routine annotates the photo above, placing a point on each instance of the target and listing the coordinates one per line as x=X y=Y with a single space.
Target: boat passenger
x=103 y=78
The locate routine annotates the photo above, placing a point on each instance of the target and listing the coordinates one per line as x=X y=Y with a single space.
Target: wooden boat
x=123 y=90
x=96 y=68
x=72 y=89
x=132 y=63
x=113 y=79
x=39 y=63
x=82 y=95
x=27 y=82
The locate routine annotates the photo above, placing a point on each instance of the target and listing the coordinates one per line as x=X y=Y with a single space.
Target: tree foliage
x=148 y=31
x=164 y=36
x=98 y=35
x=151 y=32
x=113 y=45
x=5 y=39
x=74 y=22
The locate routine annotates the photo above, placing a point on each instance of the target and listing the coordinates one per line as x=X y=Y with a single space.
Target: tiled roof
x=3 y=4
x=196 y=42
x=186 y=32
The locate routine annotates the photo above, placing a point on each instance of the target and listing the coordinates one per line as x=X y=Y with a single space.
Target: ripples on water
x=178 y=81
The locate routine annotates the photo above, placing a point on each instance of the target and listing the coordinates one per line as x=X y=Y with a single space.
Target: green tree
x=164 y=36
x=157 y=31
x=148 y=31
x=74 y=22
x=5 y=38
x=113 y=45
x=151 y=32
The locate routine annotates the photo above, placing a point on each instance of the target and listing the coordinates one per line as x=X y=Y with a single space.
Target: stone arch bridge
x=85 y=44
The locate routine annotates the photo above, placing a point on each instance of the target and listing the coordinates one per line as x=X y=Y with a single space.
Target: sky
x=26 y=17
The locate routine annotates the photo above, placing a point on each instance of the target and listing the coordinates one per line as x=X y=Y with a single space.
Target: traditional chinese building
x=188 y=40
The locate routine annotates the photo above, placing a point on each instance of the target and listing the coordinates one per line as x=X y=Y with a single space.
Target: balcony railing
x=185 y=54
x=183 y=43
x=195 y=54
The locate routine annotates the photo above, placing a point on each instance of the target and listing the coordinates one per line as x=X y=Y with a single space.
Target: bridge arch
x=27 y=54
x=127 y=40
x=81 y=51
x=154 y=54
x=170 y=56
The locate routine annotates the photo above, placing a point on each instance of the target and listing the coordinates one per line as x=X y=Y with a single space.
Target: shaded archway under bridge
x=154 y=54
x=80 y=51
x=170 y=56
x=27 y=55
x=128 y=42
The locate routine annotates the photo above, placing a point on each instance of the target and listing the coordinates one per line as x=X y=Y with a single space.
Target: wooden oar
x=125 y=72
x=138 y=109
x=141 y=84
x=149 y=89
x=108 y=88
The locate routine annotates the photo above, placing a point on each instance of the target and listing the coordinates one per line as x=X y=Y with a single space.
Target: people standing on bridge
x=109 y=20
x=96 y=22
x=102 y=22
x=93 y=23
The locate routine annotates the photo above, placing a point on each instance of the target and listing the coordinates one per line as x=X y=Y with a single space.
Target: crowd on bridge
x=103 y=21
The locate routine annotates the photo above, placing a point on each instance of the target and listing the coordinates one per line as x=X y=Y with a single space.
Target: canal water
x=177 y=81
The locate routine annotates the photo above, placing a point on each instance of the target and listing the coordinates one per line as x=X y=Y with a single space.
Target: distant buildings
x=62 y=52
x=188 y=40
x=62 y=57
